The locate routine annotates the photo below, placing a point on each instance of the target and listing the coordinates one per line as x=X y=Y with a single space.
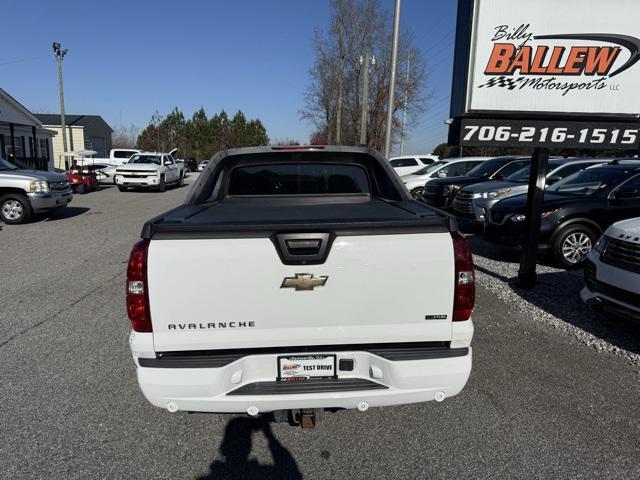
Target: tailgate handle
x=303 y=248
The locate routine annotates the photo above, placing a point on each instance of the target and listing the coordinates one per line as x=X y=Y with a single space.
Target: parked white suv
x=149 y=170
x=411 y=163
x=449 y=167
x=612 y=272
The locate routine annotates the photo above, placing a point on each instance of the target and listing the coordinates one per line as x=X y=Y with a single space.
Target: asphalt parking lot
x=553 y=393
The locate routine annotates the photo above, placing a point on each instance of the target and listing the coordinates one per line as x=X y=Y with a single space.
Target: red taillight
x=465 y=286
x=137 y=293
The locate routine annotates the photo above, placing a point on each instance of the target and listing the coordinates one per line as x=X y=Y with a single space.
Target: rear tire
x=162 y=186
x=573 y=244
x=15 y=209
x=181 y=181
x=122 y=189
x=81 y=189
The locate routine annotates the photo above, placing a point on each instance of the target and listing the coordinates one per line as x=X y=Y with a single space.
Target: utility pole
x=392 y=83
x=366 y=62
x=406 y=105
x=60 y=54
x=340 y=83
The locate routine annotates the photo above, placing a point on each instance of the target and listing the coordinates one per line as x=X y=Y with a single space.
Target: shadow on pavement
x=236 y=447
x=558 y=293
x=63 y=213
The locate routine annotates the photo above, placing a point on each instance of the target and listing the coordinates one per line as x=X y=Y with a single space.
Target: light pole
x=60 y=54
x=365 y=61
x=392 y=83
x=406 y=106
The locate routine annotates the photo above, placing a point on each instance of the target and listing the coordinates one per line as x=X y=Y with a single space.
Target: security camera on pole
x=59 y=53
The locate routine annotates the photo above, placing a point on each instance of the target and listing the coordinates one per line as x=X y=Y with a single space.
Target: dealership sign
x=575 y=63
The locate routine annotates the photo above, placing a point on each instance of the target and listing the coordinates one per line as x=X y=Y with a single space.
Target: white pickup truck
x=150 y=170
x=307 y=278
x=117 y=156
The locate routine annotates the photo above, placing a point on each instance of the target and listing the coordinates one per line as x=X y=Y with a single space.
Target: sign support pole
x=535 y=197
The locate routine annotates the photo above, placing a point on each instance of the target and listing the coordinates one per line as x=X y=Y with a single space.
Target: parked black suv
x=442 y=191
x=191 y=164
x=576 y=211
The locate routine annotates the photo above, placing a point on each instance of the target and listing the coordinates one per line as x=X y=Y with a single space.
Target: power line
x=9 y=62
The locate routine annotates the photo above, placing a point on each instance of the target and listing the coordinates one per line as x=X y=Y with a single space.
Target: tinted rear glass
x=298 y=179
x=123 y=154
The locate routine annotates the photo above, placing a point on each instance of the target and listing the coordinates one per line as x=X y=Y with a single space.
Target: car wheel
x=417 y=193
x=122 y=189
x=81 y=189
x=161 y=186
x=180 y=181
x=572 y=245
x=15 y=208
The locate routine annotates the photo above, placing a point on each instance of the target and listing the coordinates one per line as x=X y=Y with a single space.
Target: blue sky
x=128 y=59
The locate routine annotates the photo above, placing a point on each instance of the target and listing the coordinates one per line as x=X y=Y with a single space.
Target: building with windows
x=84 y=132
x=23 y=139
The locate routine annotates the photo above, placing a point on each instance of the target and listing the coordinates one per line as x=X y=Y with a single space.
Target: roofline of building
x=15 y=103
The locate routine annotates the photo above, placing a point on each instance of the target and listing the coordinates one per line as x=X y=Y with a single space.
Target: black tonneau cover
x=208 y=213
x=264 y=217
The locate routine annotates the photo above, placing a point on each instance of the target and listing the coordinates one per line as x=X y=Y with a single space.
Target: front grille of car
x=464 y=203
x=590 y=273
x=135 y=173
x=58 y=186
x=621 y=254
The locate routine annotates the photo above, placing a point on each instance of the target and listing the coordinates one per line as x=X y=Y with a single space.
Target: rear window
x=404 y=162
x=298 y=179
x=123 y=153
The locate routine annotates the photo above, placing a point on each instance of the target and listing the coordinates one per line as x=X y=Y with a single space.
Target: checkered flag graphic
x=502 y=82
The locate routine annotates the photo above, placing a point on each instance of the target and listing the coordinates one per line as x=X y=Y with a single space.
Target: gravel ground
x=539 y=404
x=555 y=301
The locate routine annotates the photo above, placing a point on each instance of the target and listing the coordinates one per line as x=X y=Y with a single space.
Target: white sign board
x=555 y=56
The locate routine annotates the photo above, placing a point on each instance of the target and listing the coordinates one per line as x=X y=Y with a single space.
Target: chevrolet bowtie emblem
x=303 y=281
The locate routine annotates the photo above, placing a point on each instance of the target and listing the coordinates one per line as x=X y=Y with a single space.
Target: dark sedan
x=441 y=192
x=576 y=211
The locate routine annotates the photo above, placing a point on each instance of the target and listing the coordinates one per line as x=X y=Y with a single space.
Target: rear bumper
x=250 y=382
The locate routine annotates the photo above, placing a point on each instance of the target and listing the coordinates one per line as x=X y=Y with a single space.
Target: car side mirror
x=626 y=193
x=553 y=179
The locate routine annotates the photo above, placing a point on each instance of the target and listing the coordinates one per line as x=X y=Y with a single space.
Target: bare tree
x=333 y=97
x=125 y=137
x=284 y=142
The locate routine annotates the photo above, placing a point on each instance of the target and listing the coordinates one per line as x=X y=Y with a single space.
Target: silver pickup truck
x=25 y=192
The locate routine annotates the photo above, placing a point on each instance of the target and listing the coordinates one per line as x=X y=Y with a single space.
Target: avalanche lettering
x=205 y=326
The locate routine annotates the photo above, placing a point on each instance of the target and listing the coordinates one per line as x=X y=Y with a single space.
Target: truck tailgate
x=222 y=293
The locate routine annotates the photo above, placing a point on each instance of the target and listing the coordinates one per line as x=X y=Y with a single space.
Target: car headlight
x=601 y=245
x=449 y=189
x=496 y=194
x=39 y=186
x=521 y=217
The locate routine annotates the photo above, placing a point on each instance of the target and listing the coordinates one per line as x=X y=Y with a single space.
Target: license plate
x=302 y=367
